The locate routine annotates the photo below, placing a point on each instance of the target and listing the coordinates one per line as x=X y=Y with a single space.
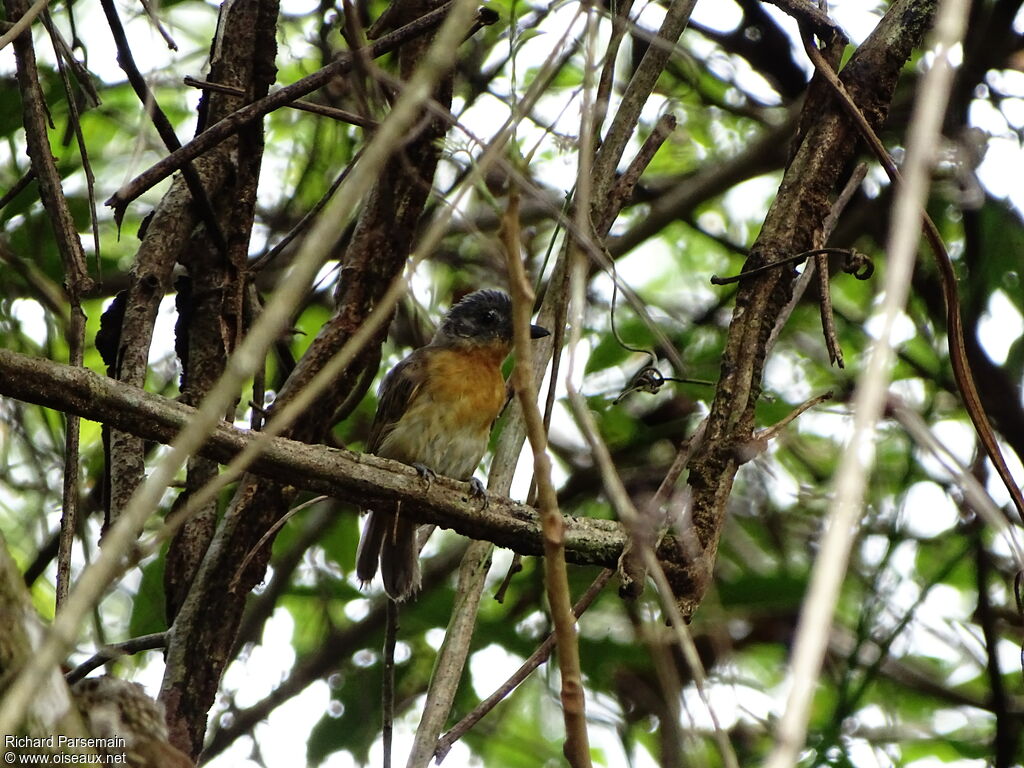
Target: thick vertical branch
x=69 y=491
x=210 y=298
x=167 y=236
x=204 y=633
x=171 y=235
x=790 y=227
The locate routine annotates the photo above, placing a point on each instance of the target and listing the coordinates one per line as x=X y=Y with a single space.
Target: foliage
x=922 y=664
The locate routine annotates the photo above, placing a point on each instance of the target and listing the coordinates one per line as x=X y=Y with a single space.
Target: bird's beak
x=537 y=332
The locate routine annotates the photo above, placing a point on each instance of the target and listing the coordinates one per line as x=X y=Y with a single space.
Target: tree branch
x=798 y=213
x=337 y=472
x=556 y=580
x=234 y=122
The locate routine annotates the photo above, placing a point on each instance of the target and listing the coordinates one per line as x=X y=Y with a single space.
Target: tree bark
x=204 y=632
x=796 y=215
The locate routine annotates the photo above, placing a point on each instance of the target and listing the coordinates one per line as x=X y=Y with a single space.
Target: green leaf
x=149 y=613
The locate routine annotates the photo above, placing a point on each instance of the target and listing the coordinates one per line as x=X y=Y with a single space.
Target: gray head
x=482 y=317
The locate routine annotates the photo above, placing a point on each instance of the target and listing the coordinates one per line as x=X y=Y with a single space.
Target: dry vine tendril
x=650 y=380
x=856 y=263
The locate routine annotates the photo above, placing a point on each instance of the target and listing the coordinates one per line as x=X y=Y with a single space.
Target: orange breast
x=469 y=384
x=447 y=425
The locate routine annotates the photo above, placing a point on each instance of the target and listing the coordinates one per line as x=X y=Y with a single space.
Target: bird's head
x=482 y=318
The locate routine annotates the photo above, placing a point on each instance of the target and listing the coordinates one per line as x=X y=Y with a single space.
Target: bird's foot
x=425 y=472
x=478 y=491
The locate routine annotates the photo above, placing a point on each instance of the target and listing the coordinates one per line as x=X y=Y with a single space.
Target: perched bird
x=435 y=410
x=121 y=713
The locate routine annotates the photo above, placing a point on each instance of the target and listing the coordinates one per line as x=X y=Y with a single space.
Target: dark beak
x=536 y=332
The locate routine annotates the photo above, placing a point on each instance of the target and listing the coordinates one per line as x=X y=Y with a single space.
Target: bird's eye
x=491 y=318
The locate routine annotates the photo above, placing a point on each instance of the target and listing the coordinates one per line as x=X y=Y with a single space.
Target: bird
x=435 y=410
x=128 y=722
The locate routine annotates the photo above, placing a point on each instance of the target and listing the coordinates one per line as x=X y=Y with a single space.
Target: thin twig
x=538 y=657
x=828 y=319
x=171 y=45
x=16 y=188
x=828 y=227
x=70 y=496
x=23 y=23
x=1007 y=734
x=266 y=258
x=113 y=651
x=302 y=105
x=64 y=57
x=90 y=96
x=238 y=119
x=856 y=264
x=355 y=36
x=770 y=433
x=70 y=489
x=387 y=696
x=974 y=492
x=259 y=609
x=278 y=524
x=624 y=185
x=162 y=124
x=620 y=24
x=556 y=580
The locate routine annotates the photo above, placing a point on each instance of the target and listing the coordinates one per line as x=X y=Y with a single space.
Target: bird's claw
x=425 y=472
x=477 y=490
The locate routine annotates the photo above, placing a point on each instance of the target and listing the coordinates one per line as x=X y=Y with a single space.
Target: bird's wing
x=396 y=393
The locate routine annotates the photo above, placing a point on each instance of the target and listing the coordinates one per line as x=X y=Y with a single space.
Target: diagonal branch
x=633 y=100
x=160 y=121
x=234 y=122
x=320 y=469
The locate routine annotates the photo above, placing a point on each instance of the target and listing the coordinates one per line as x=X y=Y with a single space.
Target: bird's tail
x=391 y=539
x=400 y=560
x=368 y=553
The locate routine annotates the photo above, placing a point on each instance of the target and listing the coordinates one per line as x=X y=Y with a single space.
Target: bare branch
x=556 y=580
x=538 y=657
x=245 y=115
x=113 y=651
